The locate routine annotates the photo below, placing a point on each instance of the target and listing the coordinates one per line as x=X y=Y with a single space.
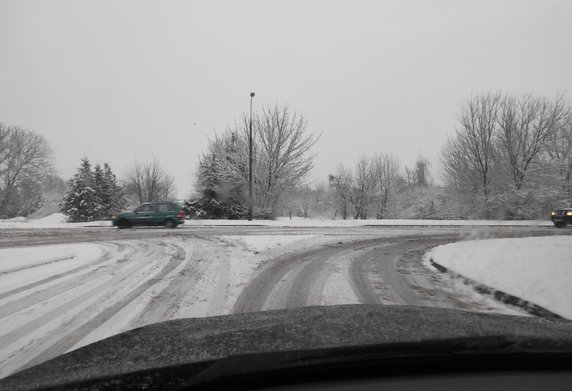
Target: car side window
x=165 y=208
x=144 y=208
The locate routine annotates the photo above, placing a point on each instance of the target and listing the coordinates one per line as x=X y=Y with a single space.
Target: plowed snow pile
x=536 y=269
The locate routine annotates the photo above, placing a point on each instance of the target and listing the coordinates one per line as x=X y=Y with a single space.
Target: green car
x=168 y=214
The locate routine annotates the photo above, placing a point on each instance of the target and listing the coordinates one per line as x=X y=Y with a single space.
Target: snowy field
x=536 y=269
x=57 y=220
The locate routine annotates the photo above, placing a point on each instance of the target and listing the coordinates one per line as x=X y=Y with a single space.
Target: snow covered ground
x=537 y=269
x=56 y=298
x=57 y=220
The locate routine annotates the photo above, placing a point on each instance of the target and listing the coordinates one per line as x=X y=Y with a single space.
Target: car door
x=164 y=211
x=143 y=214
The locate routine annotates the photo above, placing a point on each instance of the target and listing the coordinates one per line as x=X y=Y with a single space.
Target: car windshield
x=175 y=160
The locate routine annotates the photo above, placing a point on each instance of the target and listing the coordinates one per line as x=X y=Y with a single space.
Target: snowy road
x=386 y=270
x=58 y=297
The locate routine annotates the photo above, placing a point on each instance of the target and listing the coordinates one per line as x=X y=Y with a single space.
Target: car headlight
x=553 y=213
x=569 y=213
x=113 y=217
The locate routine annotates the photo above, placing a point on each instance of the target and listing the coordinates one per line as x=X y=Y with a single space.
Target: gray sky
x=117 y=81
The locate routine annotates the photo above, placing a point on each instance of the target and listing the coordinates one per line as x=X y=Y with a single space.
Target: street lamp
x=250 y=202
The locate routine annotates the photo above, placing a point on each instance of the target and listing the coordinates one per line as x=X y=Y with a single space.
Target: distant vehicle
x=168 y=214
x=561 y=217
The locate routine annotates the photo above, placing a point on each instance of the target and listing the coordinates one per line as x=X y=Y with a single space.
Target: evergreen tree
x=92 y=194
x=112 y=195
x=81 y=201
x=103 y=194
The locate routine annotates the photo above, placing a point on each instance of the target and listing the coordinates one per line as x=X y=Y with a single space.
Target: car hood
x=389 y=329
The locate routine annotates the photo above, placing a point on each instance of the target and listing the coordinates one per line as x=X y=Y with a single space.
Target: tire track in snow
x=217 y=299
x=67 y=341
x=298 y=280
x=187 y=288
x=293 y=280
x=69 y=305
x=260 y=288
x=360 y=270
x=103 y=258
x=309 y=281
x=47 y=262
x=164 y=305
x=64 y=286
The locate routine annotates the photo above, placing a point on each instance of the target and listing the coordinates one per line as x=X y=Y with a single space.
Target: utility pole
x=250 y=200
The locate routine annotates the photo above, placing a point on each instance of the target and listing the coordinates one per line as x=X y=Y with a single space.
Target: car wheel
x=122 y=224
x=560 y=225
x=170 y=224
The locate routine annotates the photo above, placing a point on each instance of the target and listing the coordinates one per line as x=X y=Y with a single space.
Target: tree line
x=509 y=157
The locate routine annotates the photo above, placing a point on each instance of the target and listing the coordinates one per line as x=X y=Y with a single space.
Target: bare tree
x=304 y=198
x=149 y=182
x=25 y=158
x=559 y=152
x=422 y=175
x=469 y=157
x=282 y=157
x=526 y=126
x=341 y=185
x=363 y=187
x=386 y=170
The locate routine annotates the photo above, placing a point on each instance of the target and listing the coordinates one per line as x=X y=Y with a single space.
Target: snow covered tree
x=510 y=156
x=470 y=157
x=25 y=159
x=340 y=184
x=102 y=192
x=113 y=195
x=92 y=194
x=386 y=172
x=281 y=159
x=81 y=202
x=526 y=126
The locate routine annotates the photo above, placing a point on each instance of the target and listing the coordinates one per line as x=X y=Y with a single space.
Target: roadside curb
x=507 y=298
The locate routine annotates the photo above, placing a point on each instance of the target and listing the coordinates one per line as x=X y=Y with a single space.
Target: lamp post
x=250 y=201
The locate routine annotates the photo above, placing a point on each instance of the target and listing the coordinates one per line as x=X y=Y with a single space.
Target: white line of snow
x=15 y=259
x=55 y=221
x=536 y=269
x=258 y=243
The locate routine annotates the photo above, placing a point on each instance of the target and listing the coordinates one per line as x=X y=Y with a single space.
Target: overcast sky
x=118 y=81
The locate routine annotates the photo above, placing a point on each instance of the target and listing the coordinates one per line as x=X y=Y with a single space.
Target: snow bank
x=57 y=220
x=537 y=269
x=300 y=222
x=54 y=218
